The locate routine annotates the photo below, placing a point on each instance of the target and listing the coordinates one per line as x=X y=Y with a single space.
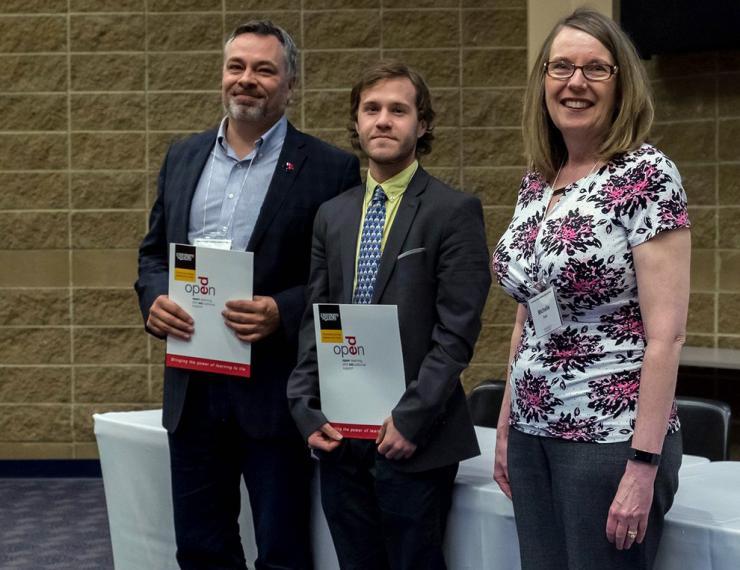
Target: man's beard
x=238 y=112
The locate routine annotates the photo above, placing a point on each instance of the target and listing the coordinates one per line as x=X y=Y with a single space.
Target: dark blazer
x=281 y=243
x=434 y=267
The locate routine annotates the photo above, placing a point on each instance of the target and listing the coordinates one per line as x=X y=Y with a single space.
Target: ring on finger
x=632 y=534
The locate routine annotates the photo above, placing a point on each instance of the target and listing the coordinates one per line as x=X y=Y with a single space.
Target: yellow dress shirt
x=394 y=188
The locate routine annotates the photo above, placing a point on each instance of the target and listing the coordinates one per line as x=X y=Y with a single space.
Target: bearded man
x=254 y=183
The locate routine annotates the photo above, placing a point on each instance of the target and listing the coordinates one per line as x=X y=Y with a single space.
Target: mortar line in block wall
x=73 y=171
x=303 y=66
x=717 y=257
x=69 y=226
x=391 y=9
x=62 y=53
x=381 y=13
x=223 y=10
x=186 y=132
x=141 y=131
x=461 y=175
x=147 y=159
x=138 y=403
x=70 y=210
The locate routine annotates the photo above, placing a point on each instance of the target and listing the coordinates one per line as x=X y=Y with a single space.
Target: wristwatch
x=644 y=456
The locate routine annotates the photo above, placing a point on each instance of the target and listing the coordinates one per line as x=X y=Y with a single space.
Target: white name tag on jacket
x=361 y=375
x=213 y=243
x=543 y=308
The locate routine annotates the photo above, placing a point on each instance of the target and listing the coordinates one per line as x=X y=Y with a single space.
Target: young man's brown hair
x=390 y=70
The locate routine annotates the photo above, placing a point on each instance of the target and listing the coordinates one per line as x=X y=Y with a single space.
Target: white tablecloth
x=136 y=475
x=702 y=530
x=481 y=533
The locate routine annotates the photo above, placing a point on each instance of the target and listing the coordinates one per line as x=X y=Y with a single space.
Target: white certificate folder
x=202 y=279
x=361 y=375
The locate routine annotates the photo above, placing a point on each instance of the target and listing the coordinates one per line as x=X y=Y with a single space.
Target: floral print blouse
x=581 y=381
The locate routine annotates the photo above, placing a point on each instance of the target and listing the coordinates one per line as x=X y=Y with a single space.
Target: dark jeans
x=209 y=454
x=381 y=518
x=562 y=492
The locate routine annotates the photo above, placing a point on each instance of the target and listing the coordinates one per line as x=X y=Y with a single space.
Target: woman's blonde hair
x=633 y=113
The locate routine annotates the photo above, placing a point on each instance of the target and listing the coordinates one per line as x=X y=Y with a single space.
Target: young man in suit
x=253 y=183
x=387 y=500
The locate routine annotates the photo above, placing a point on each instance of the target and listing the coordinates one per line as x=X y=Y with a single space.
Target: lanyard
x=241 y=187
x=539 y=283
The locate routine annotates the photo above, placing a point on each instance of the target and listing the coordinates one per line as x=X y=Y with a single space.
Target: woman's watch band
x=644 y=456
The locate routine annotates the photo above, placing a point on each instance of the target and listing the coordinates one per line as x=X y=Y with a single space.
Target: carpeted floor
x=55 y=524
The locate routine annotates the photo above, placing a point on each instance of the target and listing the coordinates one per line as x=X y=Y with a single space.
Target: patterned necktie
x=370 y=242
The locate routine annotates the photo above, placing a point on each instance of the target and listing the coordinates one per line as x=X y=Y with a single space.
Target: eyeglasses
x=591 y=71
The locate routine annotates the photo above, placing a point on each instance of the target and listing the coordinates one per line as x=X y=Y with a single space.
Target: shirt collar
x=271 y=141
x=396 y=185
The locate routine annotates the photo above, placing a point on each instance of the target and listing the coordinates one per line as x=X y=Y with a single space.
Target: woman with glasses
x=597 y=256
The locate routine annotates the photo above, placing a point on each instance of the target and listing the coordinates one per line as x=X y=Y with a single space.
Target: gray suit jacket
x=434 y=267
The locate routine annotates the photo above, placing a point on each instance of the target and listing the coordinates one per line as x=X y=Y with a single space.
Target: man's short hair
x=268 y=28
x=390 y=70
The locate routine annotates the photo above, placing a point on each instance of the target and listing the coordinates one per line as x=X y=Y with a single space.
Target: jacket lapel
x=349 y=230
x=196 y=159
x=288 y=166
x=399 y=230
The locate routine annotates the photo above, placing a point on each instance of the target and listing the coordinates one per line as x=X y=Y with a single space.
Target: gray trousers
x=562 y=491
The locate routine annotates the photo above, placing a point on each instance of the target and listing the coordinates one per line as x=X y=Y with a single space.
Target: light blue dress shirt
x=230 y=191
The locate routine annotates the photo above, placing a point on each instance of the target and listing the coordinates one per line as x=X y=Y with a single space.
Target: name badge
x=213 y=243
x=543 y=308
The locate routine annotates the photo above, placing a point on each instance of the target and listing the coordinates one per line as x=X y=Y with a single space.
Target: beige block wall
x=93 y=91
x=698 y=125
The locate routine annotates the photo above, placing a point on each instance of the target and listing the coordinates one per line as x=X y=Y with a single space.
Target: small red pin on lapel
x=289 y=166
